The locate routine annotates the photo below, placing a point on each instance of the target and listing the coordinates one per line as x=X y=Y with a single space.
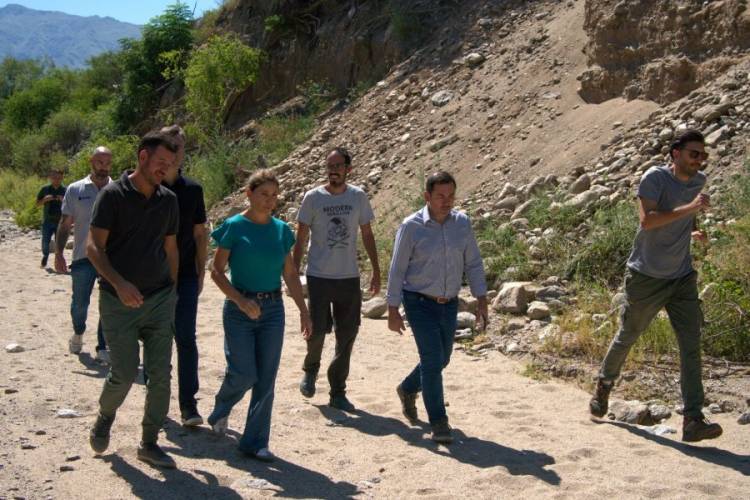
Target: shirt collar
x=427 y=218
x=87 y=180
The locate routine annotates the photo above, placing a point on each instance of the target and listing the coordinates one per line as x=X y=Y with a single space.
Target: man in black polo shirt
x=50 y=196
x=192 y=245
x=133 y=245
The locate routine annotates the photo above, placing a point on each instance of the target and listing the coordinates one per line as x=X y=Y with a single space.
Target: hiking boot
x=191 y=418
x=408 y=404
x=75 y=344
x=102 y=356
x=341 y=403
x=441 y=432
x=99 y=435
x=600 y=402
x=44 y=261
x=699 y=428
x=152 y=454
x=221 y=426
x=307 y=385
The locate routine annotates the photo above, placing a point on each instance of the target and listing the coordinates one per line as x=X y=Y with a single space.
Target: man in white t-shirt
x=76 y=211
x=331 y=214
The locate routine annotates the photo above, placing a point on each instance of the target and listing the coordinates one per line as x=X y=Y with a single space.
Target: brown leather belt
x=439 y=300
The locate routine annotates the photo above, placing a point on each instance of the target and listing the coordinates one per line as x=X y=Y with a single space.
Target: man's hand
x=700 y=236
x=249 y=307
x=48 y=198
x=482 y=314
x=702 y=202
x=305 y=325
x=375 y=284
x=129 y=294
x=60 y=265
x=395 y=321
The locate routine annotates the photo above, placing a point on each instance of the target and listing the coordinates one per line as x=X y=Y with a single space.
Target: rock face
x=659 y=49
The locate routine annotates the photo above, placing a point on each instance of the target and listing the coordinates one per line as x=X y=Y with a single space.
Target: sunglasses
x=695 y=154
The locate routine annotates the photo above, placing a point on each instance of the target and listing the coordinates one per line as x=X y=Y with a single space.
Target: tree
x=30 y=108
x=216 y=73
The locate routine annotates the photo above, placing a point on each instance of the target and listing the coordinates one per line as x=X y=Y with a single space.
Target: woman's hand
x=249 y=307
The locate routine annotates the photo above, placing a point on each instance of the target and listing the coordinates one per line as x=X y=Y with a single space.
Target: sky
x=131 y=11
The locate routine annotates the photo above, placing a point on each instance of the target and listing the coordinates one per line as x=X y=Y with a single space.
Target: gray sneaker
x=75 y=344
x=152 y=454
x=99 y=435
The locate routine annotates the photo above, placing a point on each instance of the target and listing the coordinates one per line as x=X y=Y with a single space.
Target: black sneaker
x=600 y=402
x=99 y=435
x=408 y=404
x=307 y=385
x=441 y=432
x=341 y=403
x=699 y=428
x=152 y=454
x=191 y=418
x=44 y=262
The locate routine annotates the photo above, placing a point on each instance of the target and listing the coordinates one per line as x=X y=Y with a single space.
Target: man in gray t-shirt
x=660 y=275
x=77 y=206
x=330 y=215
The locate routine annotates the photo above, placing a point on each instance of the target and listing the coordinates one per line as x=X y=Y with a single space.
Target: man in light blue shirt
x=77 y=206
x=435 y=247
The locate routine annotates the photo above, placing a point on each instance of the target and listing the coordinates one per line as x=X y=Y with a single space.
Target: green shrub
x=30 y=153
x=18 y=193
x=506 y=256
x=67 y=129
x=29 y=109
x=124 y=155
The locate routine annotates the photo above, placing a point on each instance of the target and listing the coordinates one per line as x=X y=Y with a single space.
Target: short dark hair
x=152 y=140
x=260 y=177
x=58 y=171
x=174 y=131
x=344 y=153
x=690 y=135
x=441 y=177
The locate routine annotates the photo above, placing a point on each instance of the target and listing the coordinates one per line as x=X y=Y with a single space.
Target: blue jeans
x=48 y=231
x=253 y=351
x=84 y=276
x=434 y=326
x=187 y=350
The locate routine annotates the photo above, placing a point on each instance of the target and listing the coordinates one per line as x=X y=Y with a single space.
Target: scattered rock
x=67 y=413
x=538 y=310
x=14 y=348
x=67 y=468
x=512 y=298
x=659 y=412
x=744 y=418
x=630 y=412
x=441 y=98
x=374 y=308
x=474 y=59
x=715 y=408
x=583 y=183
x=441 y=143
x=465 y=320
x=659 y=429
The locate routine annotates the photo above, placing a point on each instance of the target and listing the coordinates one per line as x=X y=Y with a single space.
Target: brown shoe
x=408 y=404
x=699 y=428
x=600 y=402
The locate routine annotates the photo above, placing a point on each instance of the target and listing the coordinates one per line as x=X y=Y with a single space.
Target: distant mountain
x=66 y=39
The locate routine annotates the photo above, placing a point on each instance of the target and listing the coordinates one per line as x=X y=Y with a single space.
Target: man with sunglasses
x=660 y=275
x=331 y=215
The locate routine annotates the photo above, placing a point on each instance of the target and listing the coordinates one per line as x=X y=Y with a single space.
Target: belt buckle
x=442 y=300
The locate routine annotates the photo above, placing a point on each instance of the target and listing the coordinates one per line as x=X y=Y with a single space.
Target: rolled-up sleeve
x=402 y=249
x=473 y=267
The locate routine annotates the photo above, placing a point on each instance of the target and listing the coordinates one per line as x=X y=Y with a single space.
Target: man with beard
x=132 y=243
x=76 y=212
x=660 y=275
x=331 y=214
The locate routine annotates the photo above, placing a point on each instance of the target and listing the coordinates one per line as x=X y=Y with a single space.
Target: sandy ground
x=515 y=436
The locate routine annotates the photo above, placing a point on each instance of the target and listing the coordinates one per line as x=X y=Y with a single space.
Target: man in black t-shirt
x=132 y=243
x=50 y=196
x=192 y=241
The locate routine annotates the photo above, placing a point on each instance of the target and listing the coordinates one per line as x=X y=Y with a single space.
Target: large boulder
x=583 y=183
x=513 y=298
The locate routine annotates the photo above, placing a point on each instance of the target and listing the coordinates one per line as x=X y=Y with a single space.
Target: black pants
x=334 y=305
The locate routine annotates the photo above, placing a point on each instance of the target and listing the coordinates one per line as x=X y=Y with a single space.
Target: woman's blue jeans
x=253 y=351
x=434 y=327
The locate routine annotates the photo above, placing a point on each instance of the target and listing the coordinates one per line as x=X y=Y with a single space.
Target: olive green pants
x=152 y=323
x=645 y=298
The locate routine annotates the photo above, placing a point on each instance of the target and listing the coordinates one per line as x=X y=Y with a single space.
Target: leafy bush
x=66 y=129
x=506 y=256
x=124 y=155
x=18 y=193
x=30 y=153
x=28 y=109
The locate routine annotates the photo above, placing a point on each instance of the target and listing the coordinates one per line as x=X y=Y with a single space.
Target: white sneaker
x=221 y=426
x=264 y=455
x=75 y=343
x=102 y=357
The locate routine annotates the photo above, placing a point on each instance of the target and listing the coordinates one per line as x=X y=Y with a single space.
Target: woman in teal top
x=257 y=248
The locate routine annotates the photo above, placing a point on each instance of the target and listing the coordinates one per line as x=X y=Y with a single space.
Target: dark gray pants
x=645 y=298
x=334 y=304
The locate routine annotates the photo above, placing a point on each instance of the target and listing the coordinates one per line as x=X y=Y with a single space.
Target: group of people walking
x=144 y=235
